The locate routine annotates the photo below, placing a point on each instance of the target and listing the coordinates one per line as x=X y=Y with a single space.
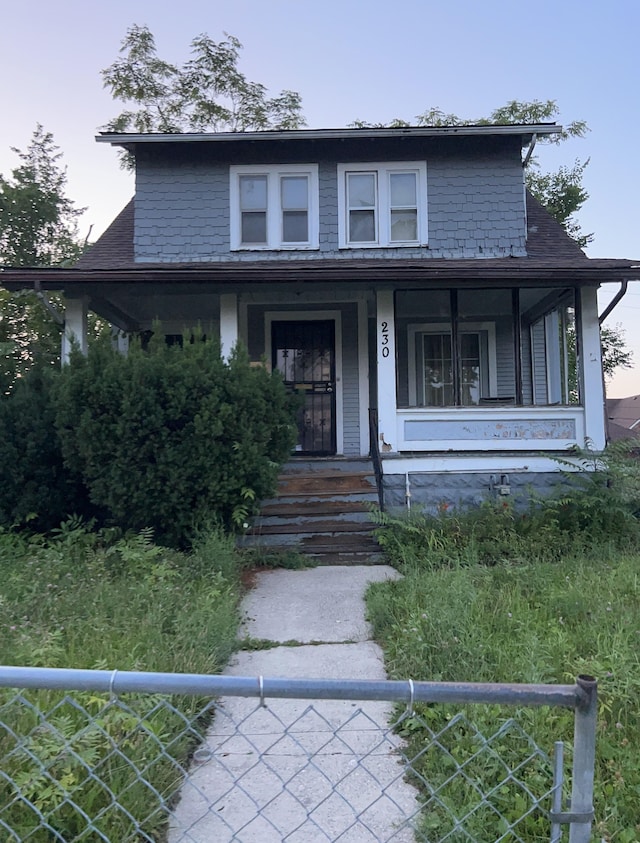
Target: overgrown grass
x=79 y=600
x=493 y=596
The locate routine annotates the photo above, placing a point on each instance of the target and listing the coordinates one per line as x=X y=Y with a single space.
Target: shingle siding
x=475 y=209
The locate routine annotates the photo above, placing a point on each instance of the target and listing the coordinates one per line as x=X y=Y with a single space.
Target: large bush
x=35 y=486
x=171 y=436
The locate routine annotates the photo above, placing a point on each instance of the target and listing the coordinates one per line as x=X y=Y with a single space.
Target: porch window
x=274 y=207
x=486 y=347
x=382 y=205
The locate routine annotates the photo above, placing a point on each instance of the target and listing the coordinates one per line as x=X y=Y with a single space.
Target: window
x=382 y=205
x=486 y=347
x=432 y=365
x=274 y=207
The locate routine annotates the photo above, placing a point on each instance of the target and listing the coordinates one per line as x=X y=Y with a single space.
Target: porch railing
x=374 y=451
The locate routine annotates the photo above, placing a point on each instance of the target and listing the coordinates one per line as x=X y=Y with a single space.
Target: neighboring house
x=623 y=415
x=401 y=279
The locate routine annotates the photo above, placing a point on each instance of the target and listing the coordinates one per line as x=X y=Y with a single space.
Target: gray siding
x=505 y=362
x=539 y=363
x=351 y=395
x=475 y=209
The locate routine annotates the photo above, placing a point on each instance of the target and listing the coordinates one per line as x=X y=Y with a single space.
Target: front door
x=304 y=352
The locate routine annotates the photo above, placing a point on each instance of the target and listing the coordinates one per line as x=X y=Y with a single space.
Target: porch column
x=228 y=323
x=386 y=357
x=75 y=327
x=591 y=370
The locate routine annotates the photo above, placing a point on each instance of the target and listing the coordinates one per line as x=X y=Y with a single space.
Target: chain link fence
x=115 y=756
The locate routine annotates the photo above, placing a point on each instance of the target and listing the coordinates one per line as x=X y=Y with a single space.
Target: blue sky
x=353 y=59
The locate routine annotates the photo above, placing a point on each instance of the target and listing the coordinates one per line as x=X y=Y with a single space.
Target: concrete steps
x=322 y=509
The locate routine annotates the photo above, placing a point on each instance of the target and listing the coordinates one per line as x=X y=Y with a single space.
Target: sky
x=353 y=59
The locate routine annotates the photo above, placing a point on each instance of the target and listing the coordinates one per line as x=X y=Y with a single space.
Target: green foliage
x=615 y=353
x=562 y=194
x=38 y=227
x=531 y=622
x=542 y=595
x=81 y=600
x=597 y=504
x=38 y=222
x=35 y=487
x=172 y=437
x=208 y=93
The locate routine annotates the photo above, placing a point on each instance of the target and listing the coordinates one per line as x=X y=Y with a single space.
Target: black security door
x=304 y=352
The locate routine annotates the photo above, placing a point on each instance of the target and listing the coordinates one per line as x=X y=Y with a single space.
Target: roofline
x=506 y=271
x=525 y=130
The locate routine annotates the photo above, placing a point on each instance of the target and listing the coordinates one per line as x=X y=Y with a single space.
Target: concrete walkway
x=300 y=771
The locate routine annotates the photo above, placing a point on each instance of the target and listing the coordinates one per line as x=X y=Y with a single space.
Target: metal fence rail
x=123 y=756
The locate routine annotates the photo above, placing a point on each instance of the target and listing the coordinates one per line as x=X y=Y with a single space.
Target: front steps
x=322 y=510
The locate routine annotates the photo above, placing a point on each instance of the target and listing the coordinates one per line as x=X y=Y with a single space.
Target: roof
x=526 y=132
x=553 y=258
x=625 y=412
x=552 y=255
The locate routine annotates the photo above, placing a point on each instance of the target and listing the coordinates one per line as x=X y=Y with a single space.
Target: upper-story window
x=274 y=207
x=382 y=204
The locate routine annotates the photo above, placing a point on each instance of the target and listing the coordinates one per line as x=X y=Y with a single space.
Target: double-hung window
x=382 y=205
x=274 y=207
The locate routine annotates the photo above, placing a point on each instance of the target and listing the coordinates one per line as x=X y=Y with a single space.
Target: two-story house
x=401 y=279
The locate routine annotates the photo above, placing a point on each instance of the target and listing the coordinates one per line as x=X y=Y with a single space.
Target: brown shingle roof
x=546 y=240
x=114 y=249
x=624 y=412
x=546 y=237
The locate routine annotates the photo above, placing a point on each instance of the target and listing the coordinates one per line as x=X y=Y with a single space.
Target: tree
x=38 y=227
x=208 y=93
x=561 y=192
x=615 y=354
x=38 y=222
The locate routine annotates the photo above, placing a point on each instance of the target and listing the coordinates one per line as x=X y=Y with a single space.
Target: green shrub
x=170 y=437
x=35 y=486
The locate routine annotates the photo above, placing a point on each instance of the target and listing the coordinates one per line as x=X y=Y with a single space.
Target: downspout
x=532 y=146
x=614 y=301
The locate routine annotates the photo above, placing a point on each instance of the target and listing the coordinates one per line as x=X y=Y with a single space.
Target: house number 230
x=384 y=331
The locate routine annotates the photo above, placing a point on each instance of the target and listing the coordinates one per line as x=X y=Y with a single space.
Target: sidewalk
x=299 y=771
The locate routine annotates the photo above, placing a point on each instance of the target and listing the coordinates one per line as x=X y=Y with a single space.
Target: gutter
x=525 y=130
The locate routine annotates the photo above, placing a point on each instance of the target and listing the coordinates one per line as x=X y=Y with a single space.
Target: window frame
x=383 y=208
x=274 y=211
x=414 y=333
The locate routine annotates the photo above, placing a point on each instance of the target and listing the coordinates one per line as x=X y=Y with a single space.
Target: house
x=623 y=415
x=429 y=310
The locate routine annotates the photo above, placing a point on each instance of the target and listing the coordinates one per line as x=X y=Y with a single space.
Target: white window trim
x=383 y=210
x=416 y=330
x=274 y=214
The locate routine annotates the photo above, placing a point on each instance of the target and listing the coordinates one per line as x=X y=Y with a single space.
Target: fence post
x=584 y=757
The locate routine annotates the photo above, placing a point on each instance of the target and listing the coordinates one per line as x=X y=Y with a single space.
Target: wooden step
x=322 y=510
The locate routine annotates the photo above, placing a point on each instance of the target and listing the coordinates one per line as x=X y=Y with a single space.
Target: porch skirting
x=431 y=492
